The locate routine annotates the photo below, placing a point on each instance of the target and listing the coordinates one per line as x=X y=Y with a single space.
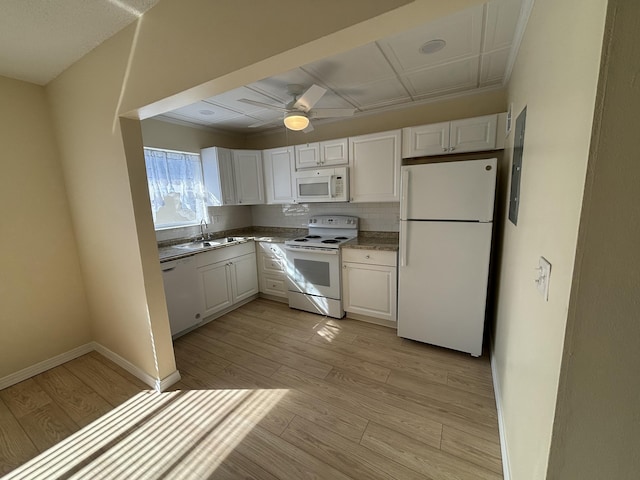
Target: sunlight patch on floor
x=178 y=435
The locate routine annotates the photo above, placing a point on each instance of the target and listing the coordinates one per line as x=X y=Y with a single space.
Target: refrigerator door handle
x=404 y=192
x=404 y=230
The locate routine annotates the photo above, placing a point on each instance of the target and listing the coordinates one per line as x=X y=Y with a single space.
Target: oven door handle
x=312 y=251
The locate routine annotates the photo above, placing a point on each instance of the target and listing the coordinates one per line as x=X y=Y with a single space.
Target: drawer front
x=274 y=285
x=371 y=257
x=221 y=254
x=271 y=265
x=274 y=250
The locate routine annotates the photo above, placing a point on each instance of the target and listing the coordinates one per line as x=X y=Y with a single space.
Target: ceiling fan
x=299 y=111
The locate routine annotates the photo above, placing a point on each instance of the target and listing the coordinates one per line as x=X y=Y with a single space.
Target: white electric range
x=313 y=264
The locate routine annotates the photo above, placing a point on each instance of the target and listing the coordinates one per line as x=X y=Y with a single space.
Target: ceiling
x=388 y=73
x=39 y=39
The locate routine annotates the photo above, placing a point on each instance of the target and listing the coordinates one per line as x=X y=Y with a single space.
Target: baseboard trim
x=506 y=466
x=169 y=380
x=368 y=319
x=274 y=298
x=157 y=384
x=38 y=368
x=45 y=365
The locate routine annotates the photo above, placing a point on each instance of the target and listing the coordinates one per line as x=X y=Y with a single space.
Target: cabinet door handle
x=452 y=149
x=367 y=256
x=445 y=149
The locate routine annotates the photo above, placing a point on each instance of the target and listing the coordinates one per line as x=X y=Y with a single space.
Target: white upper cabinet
x=308 y=155
x=473 y=134
x=248 y=174
x=329 y=153
x=334 y=152
x=424 y=140
x=219 y=182
x=374 y=162
x=459 y=136
x=279 y=167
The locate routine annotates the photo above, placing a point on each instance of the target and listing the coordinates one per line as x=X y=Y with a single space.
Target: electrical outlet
x=543 y=276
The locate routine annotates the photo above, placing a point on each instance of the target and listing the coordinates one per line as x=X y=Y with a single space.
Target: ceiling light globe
x=296 y=121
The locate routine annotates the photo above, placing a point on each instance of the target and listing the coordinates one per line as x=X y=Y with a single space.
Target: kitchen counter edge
x=171 y=252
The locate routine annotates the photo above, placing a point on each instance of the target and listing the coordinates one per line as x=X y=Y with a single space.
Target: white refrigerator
x=446 y=223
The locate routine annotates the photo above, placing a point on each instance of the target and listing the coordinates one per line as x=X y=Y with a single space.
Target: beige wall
x=172 y=136
x=43 y=308
x=84 y=103
x=201 y=40
x=597 y=426
x=555 y=76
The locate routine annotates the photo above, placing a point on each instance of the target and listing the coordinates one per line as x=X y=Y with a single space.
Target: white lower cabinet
x=244 y=277
x=370 y=283
x=215 y=283
x=271 y=270
x=226 y=276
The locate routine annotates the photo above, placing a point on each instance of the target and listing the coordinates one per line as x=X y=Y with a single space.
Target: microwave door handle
x=332 y=185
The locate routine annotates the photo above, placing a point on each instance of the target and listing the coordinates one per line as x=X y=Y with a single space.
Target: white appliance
x=181 y=290
x=446 y=215
x=322 y=185
x=313 y=265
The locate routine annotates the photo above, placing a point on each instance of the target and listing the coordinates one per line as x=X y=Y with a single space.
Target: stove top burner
x=326 y=232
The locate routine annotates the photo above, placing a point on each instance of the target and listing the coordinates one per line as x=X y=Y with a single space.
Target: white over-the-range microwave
x=322 y=185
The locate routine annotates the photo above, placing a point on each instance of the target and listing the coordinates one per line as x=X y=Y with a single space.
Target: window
x=176 y=189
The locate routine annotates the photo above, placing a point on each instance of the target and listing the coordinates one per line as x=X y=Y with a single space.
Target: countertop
x=169 y=251
x=372 y=243
x=365 y=240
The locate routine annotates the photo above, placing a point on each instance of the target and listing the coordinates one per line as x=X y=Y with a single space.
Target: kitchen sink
x=199 y=245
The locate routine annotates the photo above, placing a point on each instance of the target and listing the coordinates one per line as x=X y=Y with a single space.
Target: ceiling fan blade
x=309 y=128
x=263 y=105
x=309 y=98
x=332 y=112
x=266 y=122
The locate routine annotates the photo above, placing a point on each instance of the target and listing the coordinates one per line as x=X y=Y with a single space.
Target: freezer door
x=449 y=191
x=442 y=285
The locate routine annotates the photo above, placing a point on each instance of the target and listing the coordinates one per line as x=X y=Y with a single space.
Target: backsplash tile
x=382 y=217
x=220 y=218
x=374 y=217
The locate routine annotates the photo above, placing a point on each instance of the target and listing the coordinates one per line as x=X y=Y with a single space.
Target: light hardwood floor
x=266 y=393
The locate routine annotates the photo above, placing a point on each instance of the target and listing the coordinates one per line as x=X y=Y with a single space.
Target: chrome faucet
x=203 y=228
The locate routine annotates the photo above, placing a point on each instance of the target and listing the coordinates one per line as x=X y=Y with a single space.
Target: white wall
x=555 y=77
x=43 y=307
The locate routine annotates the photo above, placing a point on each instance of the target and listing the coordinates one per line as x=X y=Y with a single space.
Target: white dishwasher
x=181 y=291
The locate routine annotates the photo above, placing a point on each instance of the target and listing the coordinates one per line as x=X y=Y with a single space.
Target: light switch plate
x=544 y=274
